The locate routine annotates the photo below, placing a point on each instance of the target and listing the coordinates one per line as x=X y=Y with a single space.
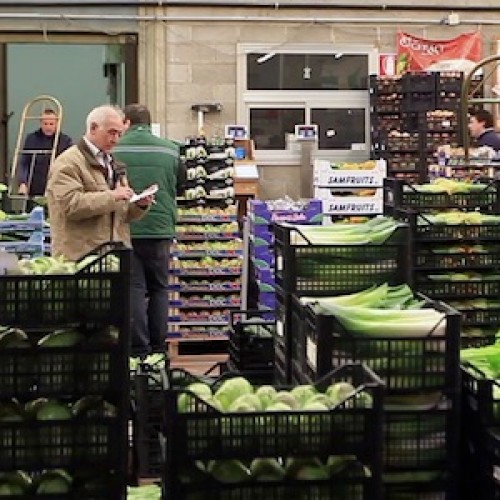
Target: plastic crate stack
x=64 y=380
x=307 y=269
x=385 y=103
x=23 y=234
x=349 y=189
x=262 y=215
x=206 y=263
x=273 y=454
x=427 y=107
x=251 y=345
x=441 y=127
x=481 y=424
x=209 y=170
x=455 y=255
x=147 y=397
x=421 y=407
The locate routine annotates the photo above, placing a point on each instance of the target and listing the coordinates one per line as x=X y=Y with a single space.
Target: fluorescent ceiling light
x=266 y=57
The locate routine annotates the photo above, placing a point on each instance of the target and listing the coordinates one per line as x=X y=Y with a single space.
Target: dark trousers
x=149 y=300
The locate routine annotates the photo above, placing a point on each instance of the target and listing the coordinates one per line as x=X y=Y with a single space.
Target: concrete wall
x=188 y=54
x=186 y=62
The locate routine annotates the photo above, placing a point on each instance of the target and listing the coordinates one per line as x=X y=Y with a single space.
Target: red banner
x=419 y=54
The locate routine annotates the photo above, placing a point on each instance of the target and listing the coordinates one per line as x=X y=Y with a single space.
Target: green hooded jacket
x=151 y=160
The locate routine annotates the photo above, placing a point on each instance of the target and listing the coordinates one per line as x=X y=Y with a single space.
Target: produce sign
x=419 y=54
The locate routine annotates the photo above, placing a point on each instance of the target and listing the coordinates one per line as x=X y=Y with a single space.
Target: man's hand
x=146 y=201
x=122 y=193
x=22 y=189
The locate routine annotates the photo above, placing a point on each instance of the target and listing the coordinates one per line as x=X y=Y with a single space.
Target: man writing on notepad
x=88 y=194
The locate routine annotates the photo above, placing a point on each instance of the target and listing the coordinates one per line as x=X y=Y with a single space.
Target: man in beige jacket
x=87 y=190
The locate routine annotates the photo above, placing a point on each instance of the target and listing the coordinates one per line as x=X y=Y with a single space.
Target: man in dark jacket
x=36 y=155
x=482 y=130
x=150 y=160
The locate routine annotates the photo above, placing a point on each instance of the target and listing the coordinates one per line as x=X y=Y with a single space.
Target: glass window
x=307 y=72
x=339 y=128
x=269 y=126
x=295 y=84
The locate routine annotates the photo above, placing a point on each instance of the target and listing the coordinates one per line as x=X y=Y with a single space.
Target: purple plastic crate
x=265 y=276
x=261 y=234
x=260 y=213
x=267 y=300
x=264 y=254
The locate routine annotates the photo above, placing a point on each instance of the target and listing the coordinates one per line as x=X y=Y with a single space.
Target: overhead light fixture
x=265 y=57
x=338 y=55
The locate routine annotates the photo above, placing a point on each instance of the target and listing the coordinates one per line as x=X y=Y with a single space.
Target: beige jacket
x=83 y=213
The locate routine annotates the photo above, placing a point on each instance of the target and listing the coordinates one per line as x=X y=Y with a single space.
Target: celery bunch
x=375 y=231
x=382 y=311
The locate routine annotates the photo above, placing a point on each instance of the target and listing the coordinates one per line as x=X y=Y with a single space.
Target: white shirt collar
x=93 y=148
x=99 y=154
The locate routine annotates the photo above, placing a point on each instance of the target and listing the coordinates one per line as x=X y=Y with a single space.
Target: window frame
x=248 y=99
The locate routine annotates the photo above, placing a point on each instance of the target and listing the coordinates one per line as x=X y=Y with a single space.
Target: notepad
x=147 y=192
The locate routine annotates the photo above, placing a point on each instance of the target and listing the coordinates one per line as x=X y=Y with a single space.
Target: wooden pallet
x=197 y=354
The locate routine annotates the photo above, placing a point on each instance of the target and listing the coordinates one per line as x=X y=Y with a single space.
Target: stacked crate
x=23 y=234
x=307 y=269
x=421 y=410
x=262 y=215
x=65 y=398
x=425 y=108
x=251 y=345
x=457 y=262
x=198 y=437
x=480 y=435
x=350 y=189
x=147 y=399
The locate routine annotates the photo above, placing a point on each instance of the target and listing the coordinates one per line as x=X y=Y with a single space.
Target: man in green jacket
x=150 y=160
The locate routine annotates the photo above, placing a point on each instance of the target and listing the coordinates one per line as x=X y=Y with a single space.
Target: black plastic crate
x=480 y=317
x=416 y=102
x=251 y=340
x=401 y=194
x=339 y=489
x=419 y=82
x=481 y=396
x=98 y=293
x=434 y=489
x=454 y=289
x=36 y=445
x=288 y=327
x=424 y=230
x=148 y=418
x=59 y=371
x=425 y=437
x=467 y=341
x=207 y=434
x=303 y=268
x=449 y=82
x=281 y=370
x=256 y=376
x=406 y=364
x=86 y=485
x=433 y=259
x=481 y=459
x=385 y=84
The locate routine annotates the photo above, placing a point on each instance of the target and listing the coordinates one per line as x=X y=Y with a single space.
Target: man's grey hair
x=101 y=114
